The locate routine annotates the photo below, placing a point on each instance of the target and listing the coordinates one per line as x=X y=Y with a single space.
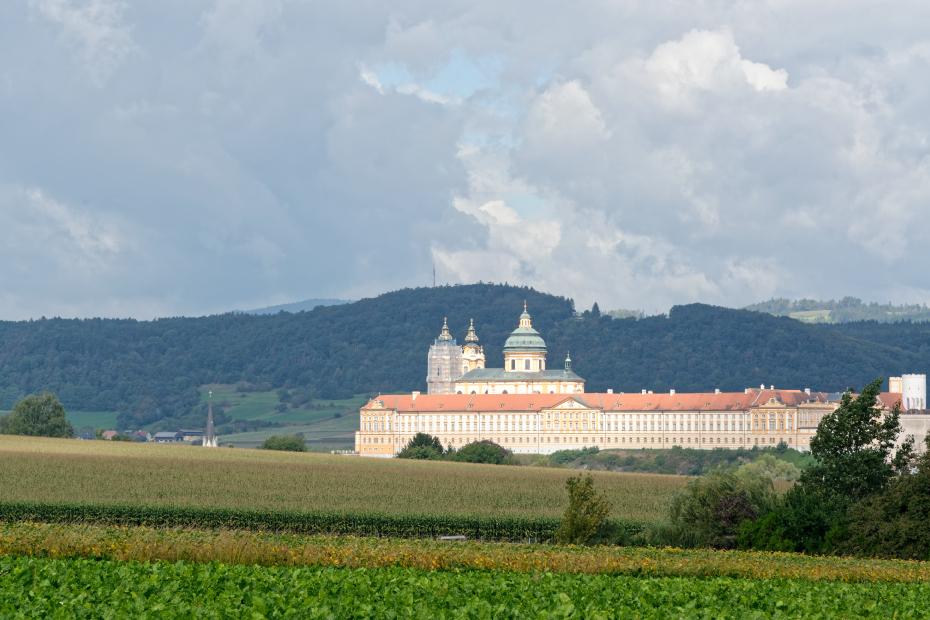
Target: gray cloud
x=200 y=156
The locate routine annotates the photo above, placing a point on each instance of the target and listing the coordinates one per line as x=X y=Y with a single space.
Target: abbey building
x=454 y=369
x=527 y=407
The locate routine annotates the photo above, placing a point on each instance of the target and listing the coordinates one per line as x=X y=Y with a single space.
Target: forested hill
x=148 y=370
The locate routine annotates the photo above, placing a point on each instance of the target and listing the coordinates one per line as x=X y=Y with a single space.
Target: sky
x=187 y=157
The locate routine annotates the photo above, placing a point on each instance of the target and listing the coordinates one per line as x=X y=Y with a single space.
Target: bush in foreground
x=586 y=515
x=710 y=511
x=288 y=443
x=893 y=523
x=39 y=415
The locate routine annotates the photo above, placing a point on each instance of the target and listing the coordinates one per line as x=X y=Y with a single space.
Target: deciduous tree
x=39 y=415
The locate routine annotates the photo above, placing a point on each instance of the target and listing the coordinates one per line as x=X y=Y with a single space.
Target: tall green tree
x=856 y=459
x=855 y=447
x=38 y=415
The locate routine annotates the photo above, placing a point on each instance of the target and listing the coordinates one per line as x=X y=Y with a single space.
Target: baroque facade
x=528 y=408
x=545 y=423
x=525 y=368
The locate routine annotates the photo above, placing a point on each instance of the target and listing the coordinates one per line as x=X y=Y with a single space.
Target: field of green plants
x=69 y=588
x=97 y=472
x=101 y=529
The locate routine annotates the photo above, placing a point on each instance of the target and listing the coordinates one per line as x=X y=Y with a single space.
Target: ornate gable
x=570 y=402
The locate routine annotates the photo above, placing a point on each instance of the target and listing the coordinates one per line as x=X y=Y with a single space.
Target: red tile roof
x=889 y=399
x=470 y=402
x=694 y=401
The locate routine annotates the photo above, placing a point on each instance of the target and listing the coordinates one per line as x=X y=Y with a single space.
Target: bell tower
x=443 y=363
x=472 y=351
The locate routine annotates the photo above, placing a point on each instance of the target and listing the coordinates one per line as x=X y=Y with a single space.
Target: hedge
x=359 y=524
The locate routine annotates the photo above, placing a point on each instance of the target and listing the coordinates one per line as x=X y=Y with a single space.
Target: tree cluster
x=286 y=443
x=427 y=447
x=866 y=494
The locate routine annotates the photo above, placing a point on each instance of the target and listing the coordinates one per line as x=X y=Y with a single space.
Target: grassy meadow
x=326 y=424
x=88 y=420
x=97 y=472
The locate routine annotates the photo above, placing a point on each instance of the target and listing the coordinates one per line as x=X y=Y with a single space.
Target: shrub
x=37 y=415
x=289 y=443
x=894 y=522
x=712 y=508
x=585 y=518
x=803 y=520
x=483 y=452
x=422 y=446
x=422 y=453
x=773 y=468
x=563 y=457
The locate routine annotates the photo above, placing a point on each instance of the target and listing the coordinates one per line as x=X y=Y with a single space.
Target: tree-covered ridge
x=150 y=370
x=845 y=310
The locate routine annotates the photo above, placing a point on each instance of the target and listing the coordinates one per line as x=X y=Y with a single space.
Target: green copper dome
x=524 y=337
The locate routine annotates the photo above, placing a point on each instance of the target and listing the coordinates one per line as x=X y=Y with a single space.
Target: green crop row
x=76 y=588
x=381 y=525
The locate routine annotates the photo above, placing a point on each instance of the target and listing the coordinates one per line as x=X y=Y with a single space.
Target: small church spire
x=209 y=437
x=445 y=335
x=472 y=335
x=526 y=320
x=568 y=361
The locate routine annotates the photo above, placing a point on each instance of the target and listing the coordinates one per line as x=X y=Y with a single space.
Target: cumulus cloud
x=198 y=156
x=706 y=61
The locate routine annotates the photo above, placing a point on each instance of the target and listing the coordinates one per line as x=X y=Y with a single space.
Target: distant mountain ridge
x=845 y=310
x=151 y=370
x=297 y=306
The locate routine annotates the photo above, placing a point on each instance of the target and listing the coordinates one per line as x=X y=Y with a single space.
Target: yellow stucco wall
x=385 y=432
